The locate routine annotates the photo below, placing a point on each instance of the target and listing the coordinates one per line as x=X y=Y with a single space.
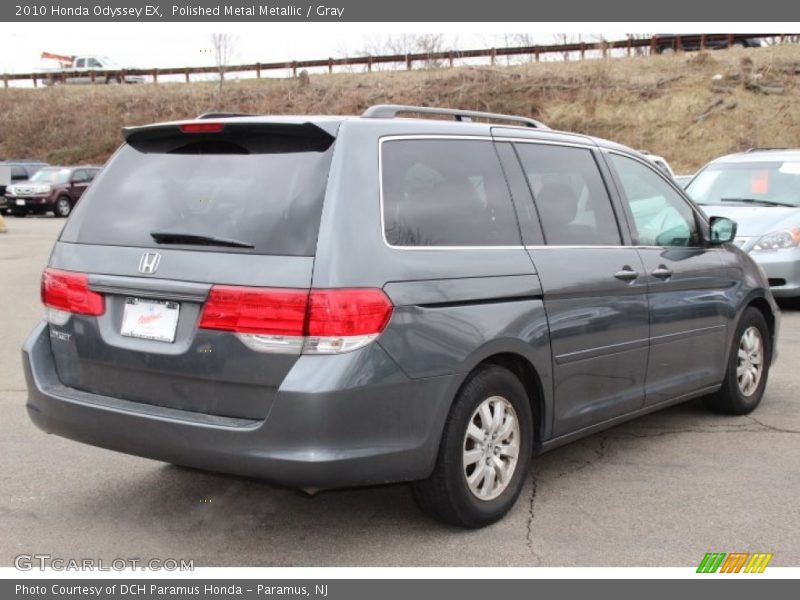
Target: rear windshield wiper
x=756 y=201
x=195 y=239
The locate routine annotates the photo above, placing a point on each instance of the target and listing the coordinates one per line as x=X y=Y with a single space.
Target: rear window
x=446 y=193
x=263 y=188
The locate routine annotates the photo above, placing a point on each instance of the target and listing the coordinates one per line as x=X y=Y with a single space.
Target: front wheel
x=748 y=367
x=63 y=207
x=484 y=453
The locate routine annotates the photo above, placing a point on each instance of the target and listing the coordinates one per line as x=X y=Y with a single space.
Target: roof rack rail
x=224 y=115
x=390 y=111
x=766 y=148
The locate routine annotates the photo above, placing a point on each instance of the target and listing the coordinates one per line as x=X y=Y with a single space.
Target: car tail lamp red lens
x=288 y=320
x=255 y=310
x=68 y=291
x=347 y=312
x=202 y=127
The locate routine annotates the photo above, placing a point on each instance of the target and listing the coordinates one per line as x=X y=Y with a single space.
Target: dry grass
x=664 y=104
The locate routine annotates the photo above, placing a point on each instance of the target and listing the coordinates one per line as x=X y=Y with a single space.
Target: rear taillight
x=65 y=293
x=294 y=321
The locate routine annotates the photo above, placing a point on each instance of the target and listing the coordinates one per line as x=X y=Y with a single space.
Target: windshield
x=263 y=191
x=769 y=183
x=51 y=176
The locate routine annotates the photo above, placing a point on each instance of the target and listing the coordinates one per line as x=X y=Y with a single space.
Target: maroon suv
x=52 y=189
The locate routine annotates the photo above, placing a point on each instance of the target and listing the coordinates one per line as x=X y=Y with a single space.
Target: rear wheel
x=484 y=453
x=748 y=367
x=62 y=207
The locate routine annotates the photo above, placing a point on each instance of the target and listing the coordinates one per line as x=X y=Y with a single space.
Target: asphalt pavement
x=659 y=491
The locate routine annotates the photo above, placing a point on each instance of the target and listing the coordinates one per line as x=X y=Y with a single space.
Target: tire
x=738 y=395
x=446 y=495
x=62 y=207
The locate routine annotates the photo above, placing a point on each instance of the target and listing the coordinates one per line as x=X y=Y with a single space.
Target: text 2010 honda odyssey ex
x=327 y=302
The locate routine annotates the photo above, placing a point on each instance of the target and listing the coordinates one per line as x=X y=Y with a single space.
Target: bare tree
x=224 y=45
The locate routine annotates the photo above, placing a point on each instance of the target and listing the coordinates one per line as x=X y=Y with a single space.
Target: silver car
x=760 y=190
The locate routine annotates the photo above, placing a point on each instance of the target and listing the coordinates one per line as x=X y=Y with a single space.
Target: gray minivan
x=342 y=301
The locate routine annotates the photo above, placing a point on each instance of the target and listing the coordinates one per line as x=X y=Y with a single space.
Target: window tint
x=661 y=217
x=571 y=198
x=446 y=193
x=79 y=63
x=18 y=173
x=263 y=187
x=93 y=63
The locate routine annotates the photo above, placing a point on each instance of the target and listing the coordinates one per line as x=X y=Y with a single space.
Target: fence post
x=92 y=76
x=33 y=76
x=330 y=65
x=5 y=80
x=258 y=70
x=583 y=50
x=493 y=56
x=408 y=62
x=703 y=42
x=187 y=75
x=155 y=75
x=450 y=58
x=652 y=44
x=629 y=46
x=369 y=64
x=536 y=53
x=294 y=69
x=678 y=44
x=730 y=40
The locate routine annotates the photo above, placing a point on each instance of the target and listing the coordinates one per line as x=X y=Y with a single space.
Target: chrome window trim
x=516 y=140
x=390 y=138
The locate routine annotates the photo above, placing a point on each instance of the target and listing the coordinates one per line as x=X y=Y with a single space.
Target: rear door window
x=445 y=192
x=570 y=196
x=263 y=187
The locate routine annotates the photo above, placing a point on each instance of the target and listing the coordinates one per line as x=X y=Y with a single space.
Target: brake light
x=201 y=127
x=294 y=321
x=255 y=310
x=69 y=292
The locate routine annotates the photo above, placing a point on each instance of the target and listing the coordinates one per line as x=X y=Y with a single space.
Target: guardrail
x=654 y=44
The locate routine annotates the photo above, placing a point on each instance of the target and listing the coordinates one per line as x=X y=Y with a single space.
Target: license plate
x=150 y=319
x=20 y=202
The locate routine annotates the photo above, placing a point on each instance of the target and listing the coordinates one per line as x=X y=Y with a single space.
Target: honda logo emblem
x=149 y=263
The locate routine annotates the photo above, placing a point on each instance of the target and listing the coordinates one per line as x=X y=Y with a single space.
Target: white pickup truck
x=87 y=69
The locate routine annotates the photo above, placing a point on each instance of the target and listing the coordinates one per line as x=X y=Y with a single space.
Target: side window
x=571 y=198
x=445 y=193
x=93 y=63
x=90 y=175
x=18 y=173
x=79 y=176
x=661 y=217
x=80 y=63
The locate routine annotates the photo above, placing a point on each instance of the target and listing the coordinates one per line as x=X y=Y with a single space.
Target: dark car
x=666 y=43
x=337 y=301
x=51 y=189
x=14 y=171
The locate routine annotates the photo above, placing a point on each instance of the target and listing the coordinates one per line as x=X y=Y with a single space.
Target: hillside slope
x=668 y=105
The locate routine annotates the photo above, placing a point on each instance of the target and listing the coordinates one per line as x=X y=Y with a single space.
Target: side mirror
x=722 y=230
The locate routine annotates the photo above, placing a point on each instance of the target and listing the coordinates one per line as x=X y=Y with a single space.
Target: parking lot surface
x=659 y=491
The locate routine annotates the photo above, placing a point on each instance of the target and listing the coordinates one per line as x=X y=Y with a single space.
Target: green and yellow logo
x=735 y=562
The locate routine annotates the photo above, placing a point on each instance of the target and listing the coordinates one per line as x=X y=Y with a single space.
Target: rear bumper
x=373 y=426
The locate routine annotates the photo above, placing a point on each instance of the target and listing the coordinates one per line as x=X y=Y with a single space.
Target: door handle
x=626 y=274
x=662 y=272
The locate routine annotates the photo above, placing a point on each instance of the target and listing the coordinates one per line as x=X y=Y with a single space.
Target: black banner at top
x=400 y=11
